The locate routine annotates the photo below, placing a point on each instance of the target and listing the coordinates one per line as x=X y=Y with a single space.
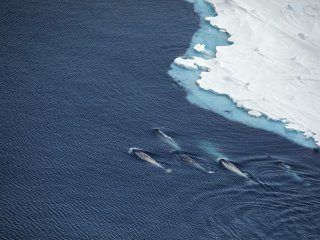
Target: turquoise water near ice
x=222 y=104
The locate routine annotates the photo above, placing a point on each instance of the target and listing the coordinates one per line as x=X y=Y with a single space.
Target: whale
x=231 y=167
x=139 y=153
x=194 y=163
x=169 y=140
x=290 y=172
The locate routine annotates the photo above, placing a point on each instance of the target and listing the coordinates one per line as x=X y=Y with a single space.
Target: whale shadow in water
x=145 y=156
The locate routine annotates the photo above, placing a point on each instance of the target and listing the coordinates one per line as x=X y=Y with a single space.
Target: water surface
x=81 y=83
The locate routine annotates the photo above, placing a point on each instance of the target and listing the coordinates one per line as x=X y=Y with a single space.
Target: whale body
x=193 y=163
x=231 y=167
x=146 y=157
x=169 y=140
x=290 y=172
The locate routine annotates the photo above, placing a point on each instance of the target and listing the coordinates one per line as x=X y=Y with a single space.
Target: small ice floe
x=200 y=48
x=146 y=157
x=255 y=113
x=186 y=63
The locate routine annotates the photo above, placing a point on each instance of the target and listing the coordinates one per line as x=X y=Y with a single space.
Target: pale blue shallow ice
x=222 y=104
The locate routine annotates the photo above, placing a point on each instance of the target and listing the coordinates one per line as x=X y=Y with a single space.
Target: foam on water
x=221 y=104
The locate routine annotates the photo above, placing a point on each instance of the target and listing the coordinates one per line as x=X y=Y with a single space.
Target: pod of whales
x=209 y=149
x=146 y=157
x=177 y=149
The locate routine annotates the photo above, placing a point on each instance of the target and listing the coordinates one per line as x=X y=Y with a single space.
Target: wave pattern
x=80 y=88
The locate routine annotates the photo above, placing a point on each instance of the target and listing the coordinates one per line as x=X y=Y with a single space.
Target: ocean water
x=84 y=81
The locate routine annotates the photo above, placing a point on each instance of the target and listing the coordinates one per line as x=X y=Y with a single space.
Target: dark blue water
x=81 y=83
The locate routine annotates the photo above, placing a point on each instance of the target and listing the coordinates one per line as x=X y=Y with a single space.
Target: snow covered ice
x=272 y=68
